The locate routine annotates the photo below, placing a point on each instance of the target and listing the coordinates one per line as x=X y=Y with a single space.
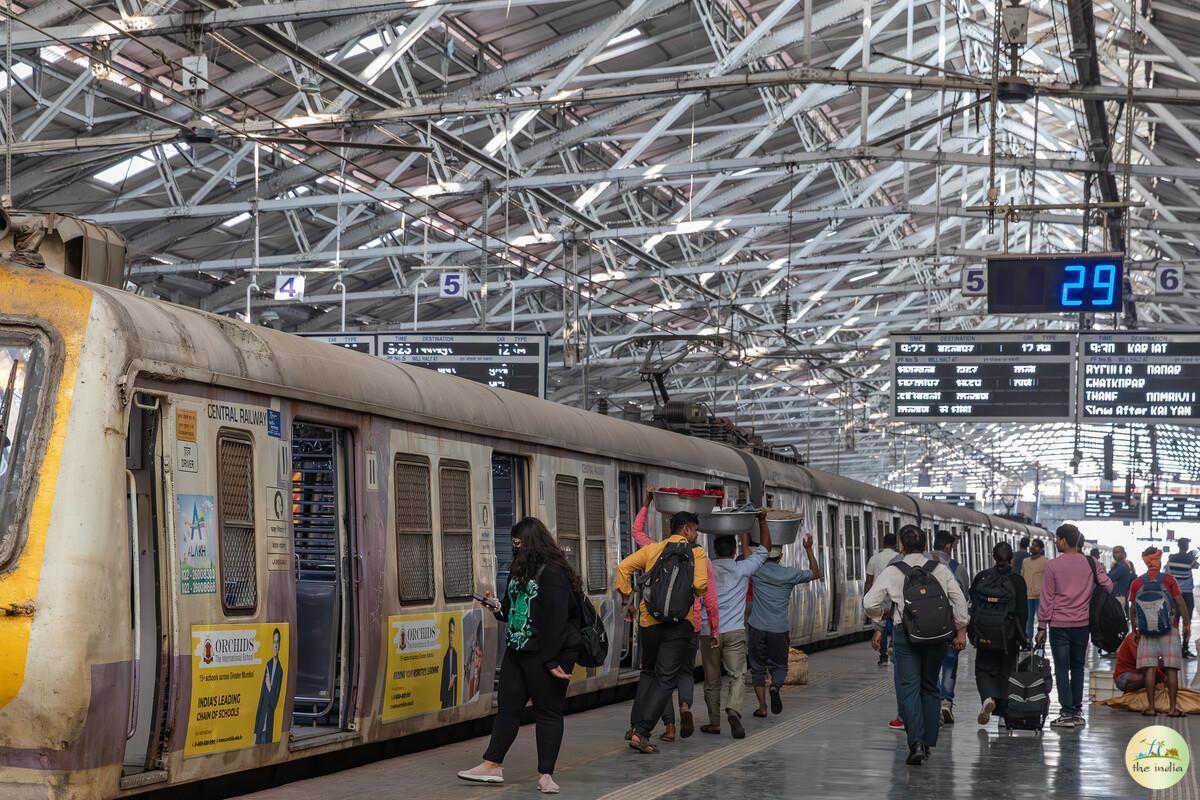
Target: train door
x=837 y=573
x=630 y=489
x=508 y=507
x=870 y=542
x=146 y=732
x=324 y=559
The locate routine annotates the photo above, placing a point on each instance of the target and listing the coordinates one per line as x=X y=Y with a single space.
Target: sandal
x=758 y=712
x=687 y=725
x=668 y=735
x=629 y=734
x=1176 y=713
x=1149 y=712
x=643 y=746
x=711 y=729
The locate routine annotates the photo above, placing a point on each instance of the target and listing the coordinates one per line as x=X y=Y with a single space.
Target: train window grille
x=414 y=530
x=821 y=540
x=458 y=562
x=315 y=503
x=597 y=550
x=235 y=508
x=856 y=568
x=566 y=519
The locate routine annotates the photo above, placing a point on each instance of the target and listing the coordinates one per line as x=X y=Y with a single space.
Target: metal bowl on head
x=784 y=530
x=728 y=523
x=671 y=503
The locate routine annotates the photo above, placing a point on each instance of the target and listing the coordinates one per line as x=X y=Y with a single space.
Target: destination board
x=1175 y=508
x=505 y=360
x=983 y=378
x=1111 y=505
x=1140 y=376
x=963 y=500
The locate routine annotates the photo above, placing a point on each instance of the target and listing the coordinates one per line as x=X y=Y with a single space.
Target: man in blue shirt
x=1122 y=575
x=1179 y=567
x=729 y=657
x=769 y=626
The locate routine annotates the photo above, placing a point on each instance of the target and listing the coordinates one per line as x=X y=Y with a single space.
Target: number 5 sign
x=974 y=281
x=1168 y=279
x=453 y=285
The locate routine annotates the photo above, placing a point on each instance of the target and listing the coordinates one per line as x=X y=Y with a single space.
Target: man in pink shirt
x=686 y=687
x=1065 y=608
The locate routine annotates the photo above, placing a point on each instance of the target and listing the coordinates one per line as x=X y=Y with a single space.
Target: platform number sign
x=453 y=285
x=289 y=287
x=974 y=281
x=1168 y=279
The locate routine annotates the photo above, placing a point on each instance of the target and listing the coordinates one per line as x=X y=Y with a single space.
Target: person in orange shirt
x=665 y=645
x=1126 y=674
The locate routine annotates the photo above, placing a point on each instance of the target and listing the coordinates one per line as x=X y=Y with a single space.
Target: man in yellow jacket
x=664 y=644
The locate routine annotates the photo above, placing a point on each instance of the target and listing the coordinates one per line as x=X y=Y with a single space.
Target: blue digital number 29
x=1104 y=286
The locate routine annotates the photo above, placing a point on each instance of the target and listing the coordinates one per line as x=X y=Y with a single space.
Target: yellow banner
x=239 y=680
x=434 y=661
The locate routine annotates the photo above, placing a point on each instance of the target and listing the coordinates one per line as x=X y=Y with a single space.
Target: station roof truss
x=796 y=177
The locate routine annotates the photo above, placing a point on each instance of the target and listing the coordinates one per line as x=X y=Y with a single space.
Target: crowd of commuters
x=733 y=610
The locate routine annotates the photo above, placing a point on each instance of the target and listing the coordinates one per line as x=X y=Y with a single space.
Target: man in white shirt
x=725 y=665
x=875 y=566
x=918 y=664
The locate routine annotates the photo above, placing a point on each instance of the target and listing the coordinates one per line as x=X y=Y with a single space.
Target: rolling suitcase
x=1028 y=701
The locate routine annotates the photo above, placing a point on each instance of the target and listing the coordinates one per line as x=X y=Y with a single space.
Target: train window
x=856 y=567
x=566 y=518
x=821 y=539
x=414 y=529
x=21 y=373
x=458 y=562
x=848 y=538
x=235 y=512
x=593 y=531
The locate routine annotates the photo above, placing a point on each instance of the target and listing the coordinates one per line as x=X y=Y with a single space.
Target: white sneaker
x=546 y=785
x=947 y=713
x=1064 y=721
x=985 y=714
x=483 y=774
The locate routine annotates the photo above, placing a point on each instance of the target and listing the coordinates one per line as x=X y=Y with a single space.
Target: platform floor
x=831 y=741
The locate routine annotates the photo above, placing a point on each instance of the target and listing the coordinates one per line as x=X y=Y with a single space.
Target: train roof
x=186 y=343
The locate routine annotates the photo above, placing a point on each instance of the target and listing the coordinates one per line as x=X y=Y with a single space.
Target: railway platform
x=832 y=741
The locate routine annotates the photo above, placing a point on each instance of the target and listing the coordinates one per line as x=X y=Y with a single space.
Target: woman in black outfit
x=542 y=613
x=994 y=666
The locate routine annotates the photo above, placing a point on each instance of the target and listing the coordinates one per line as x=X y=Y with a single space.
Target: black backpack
x=993 y=613
x=1028 y=693
x=1107 y=622
x=927 y=616
x=593 y=638
x=667 y=588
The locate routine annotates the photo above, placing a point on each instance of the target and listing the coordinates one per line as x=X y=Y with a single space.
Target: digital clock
x=1052 y=284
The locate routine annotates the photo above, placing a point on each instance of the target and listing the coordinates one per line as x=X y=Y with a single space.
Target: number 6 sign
x=453 y=285
x=1168 y=279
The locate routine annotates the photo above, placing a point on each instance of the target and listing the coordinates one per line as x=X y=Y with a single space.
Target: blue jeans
x=949 y=676
x=1068 y=646
x=917 y=669
x=1031 y=622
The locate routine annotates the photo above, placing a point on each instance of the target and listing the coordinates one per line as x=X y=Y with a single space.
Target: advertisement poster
x=197 y=571
x=425 y=665
x=239 y=675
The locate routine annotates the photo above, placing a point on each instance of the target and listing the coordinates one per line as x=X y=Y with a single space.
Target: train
x=225 y=547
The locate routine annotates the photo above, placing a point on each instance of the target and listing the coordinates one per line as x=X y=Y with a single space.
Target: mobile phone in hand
x=490 y=603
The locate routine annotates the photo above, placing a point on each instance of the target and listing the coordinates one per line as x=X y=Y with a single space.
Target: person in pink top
x=686 y=688
x=1065 y=608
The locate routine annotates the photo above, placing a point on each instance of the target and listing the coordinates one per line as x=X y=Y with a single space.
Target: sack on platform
x=797 y=674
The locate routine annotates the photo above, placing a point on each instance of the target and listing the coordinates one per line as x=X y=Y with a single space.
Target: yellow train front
x=224 y=547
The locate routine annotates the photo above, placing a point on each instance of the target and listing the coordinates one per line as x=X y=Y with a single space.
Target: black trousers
x=665 y=651
x=768 y=651
x=523 y=678
x=992 y=671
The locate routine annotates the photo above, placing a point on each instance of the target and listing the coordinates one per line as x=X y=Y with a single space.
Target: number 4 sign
x=453 y=285
x=289 y=287
x=1168 y=279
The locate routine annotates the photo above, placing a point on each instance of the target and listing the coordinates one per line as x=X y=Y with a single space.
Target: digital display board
x=1140 y=376
x=1174 y=508
x=505 y=360
x=950 y=498
x=1053 y=283
x=360 y=343
x=983 y=378
x=1111 y=505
